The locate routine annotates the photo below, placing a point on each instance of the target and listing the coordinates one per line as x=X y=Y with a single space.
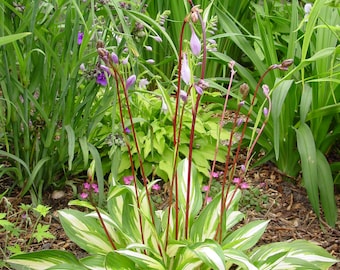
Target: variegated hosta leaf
x=95 y=262
x=246 y=236
x=45 y=259
x=195 y=202
x=142 y=261
x=299 y=254
x=114 y=261
x=234 y=256
x=208 y=253
x=204 y=227
x=85 y=231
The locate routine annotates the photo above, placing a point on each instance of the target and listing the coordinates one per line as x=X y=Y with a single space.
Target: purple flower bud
x=114 y=58
x=183 y=95
x=241 y=103
x=130 y=81
x=265 y=111
x=164 y=106
x=87 y=185
x=80 y=38
x=150 y=61
x=157 y=38
x=82 y=67
x=265 y=89
x=125 y=60
x=185 y=70
x=239 y=122
x=195 y=43
x=148 y=48
x=105 y=68
x=209 y=199
x=243 y=168
x=199 y=89
x=156 y=187
x=84 y=195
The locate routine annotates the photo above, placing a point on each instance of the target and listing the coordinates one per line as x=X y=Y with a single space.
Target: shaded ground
x=284 y=203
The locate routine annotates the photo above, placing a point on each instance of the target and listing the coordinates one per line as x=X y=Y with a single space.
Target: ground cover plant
x=140 y=112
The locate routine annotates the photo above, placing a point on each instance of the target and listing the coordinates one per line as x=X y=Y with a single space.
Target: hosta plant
x=128 y=236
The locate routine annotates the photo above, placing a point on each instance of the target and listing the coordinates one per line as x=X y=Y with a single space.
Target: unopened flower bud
x=286 y=63
x=265 y=111
x=195 y=43
x=183 y=95
x=130 y=81
x=265 y=89
x=185 y=70
x=114 y=58
x=244 y=90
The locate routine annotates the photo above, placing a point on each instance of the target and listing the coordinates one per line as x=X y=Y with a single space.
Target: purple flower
x=87 y=185
x=80 y=38
x=244 y=185
x=143 y=83
x=95 y=187
x=105 y=68
x=205 y=188
x=237 y=180
x=214 y=174
x=127 y=130
x=130 y=81
x=195 y=43
x=209 y=199
x=239 y=122
x=200 y=86
x=156 y=187
x=84 y=195
x=101 y=79
x=185 y=70
x=128 y=179
x=125 y=60
x=82 y=67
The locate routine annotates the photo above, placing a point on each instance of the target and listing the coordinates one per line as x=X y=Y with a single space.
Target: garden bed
x=283 y=202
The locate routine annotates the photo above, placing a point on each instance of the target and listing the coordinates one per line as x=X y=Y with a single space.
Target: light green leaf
x=44 y=259
x=142 y=260
x=245 y=237
x=239 y=258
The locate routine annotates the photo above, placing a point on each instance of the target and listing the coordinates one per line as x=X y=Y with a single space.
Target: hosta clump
x=131 y=237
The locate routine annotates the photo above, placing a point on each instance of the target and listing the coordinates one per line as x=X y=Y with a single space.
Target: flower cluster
x=88 y=187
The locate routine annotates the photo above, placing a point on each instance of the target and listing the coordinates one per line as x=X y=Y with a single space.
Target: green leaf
x=326 y=189
x=142 y=260
x=299 y=254
x=116 y=261
x=43 y=259
x=71 y=145
x=239 y=258
x=245 y=237
x=11 y=38
x=306 y=148
x=42 y=233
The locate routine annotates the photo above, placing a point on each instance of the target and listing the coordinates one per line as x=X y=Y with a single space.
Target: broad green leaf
x=94 y=262
x=245 y=237
x=278 y=97
x=326 y=188
x=44 y=259
x=116 y=261
x=306 y=148
x=85 y=231
x=299 y=254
